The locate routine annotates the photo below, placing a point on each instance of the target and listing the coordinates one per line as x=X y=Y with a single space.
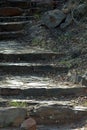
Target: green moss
x=17 y=104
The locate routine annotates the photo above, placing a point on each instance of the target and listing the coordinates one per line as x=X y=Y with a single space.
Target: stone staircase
x=15 y=14
x=12 y=20
x=27 y=75
x=30 y=78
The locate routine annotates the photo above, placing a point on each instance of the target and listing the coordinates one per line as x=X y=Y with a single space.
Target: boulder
x=67 y=22
x=80 y=12
x=12 y=116
x=28 y=124
x=84 y=79
x=53 y=18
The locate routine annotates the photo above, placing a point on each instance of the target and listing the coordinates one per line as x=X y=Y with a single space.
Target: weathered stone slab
x=10 y=11
x=19 y=3
x=9 y=91
x=11 y=34
x=12 y=116
x=45 y=92
x=58 y=114
x=29 y=68
x=84 y=79
x=12 y=26
x=28 y=56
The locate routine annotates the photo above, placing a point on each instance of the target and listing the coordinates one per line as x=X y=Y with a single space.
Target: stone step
x=46 y=114
x=20 y=4
x=29 y=3
x=14 y=47
x=20 y=51
x=11 y=35
x=58 y=114
x=37 y=86
x=12 y=26
x=27 y=68
x=61 y=114
x=10 y=11
x=54 y=127
x=43 y=92
x=30 y=56
x=14 y=102
x=16 y=19
x=32 y=6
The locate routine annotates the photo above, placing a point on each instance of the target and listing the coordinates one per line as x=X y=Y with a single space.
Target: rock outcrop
x=53 y=18
x=12 y=116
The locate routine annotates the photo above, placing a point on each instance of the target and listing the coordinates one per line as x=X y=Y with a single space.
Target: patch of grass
x=37 y=16
x=17 y=104
x=67 y=63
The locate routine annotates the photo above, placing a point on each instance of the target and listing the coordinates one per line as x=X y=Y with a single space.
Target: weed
x=17 y=104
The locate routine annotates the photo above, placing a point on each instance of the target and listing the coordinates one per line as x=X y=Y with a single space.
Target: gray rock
x=12 y=116
x=80 y=12
x=67 y=22
x=28 y=124
x=84 y=80
x=53 y=18
x=74 y=77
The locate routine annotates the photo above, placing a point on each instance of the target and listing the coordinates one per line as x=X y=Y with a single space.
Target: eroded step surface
x=11 y=35
x=30 y=3
x=42 y=92
x=16 y=19
x=12 y=51
x=10 y=11
x=44 y=127
x=27 y=68
x=59 y=114
x=52 y=114
x=16 y=47
x=12 y=26
x=15 y=101
x=25 y=82
x=34 y=81
x=37 y=86
x=27 y=56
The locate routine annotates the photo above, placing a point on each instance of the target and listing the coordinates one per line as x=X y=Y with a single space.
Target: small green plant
x=17 y=104
x=66 y=63
x=37 y=16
